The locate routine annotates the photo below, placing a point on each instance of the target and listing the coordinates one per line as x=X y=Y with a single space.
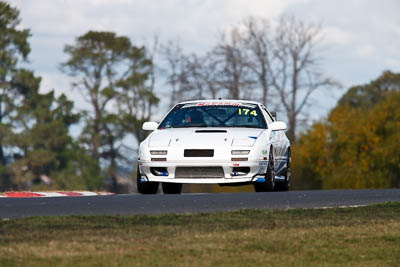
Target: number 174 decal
x=246 y=112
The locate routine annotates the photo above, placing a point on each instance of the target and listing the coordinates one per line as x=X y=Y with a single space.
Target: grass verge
x=346 y=236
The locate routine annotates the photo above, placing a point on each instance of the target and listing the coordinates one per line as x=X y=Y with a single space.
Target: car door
x=279 y=142
x=274 y=138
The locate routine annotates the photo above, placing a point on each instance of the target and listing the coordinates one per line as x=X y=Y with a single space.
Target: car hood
x=204 y=137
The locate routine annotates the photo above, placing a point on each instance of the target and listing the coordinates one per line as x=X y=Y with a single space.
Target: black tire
x=285 y=185
x=171 y=188
x=146 y=187
x=269 y=183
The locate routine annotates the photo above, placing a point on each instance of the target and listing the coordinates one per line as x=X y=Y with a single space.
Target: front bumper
x=257 y=171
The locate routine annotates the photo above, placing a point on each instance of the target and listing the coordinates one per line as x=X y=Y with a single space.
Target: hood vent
x=211 y=131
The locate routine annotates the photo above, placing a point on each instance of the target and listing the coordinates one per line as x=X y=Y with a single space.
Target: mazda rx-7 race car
x=225 y=142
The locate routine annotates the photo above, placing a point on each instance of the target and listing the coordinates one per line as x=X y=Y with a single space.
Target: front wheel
x=269 y=184
x=145 y=187
x=171 y=188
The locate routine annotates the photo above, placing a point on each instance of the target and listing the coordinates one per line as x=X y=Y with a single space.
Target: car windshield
x=214 y=115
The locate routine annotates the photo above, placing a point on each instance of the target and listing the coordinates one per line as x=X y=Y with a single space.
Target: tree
x=39 y=138
x=135 y=109
x=370 y=94
x=106 y=69
x=209 y=75
x=93 y=63
x=176 y=72
x=357 y=145
x=190 y=76
x=137 y=99
x=230 y=60
x=309 y=158
x=296 y=73
x=33 y=126
x=14 y=47
x=260 y=59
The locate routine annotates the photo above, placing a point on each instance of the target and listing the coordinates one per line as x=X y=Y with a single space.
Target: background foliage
x=357 y=146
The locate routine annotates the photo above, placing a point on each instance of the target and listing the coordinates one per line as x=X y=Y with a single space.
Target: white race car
x=225 y=142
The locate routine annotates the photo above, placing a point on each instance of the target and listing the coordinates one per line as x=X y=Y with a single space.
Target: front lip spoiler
x=221 y=181
x=201 y=180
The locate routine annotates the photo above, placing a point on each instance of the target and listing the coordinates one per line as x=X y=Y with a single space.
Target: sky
x=361 y=37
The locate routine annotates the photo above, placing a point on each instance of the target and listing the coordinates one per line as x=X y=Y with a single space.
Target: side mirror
x=278 y=126
x=150 y=126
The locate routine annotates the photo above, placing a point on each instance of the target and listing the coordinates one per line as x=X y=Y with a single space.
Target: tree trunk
x=265 y=90
x=235 y=93
x=113 y=174
x=292 y=127
x=2 y=156
x=95 y=135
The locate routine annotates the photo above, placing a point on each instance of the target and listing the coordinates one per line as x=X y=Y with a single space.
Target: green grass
x=349 y=236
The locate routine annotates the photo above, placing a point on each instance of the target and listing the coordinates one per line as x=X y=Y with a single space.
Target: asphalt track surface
x=190 y=203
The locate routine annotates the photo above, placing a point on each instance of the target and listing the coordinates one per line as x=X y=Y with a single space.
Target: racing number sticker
x=245 y=111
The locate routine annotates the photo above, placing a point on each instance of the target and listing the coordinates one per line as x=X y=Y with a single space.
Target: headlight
x=240 y=152
x=158 y=152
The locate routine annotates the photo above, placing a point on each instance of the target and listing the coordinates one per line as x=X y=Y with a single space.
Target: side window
x=267 y=116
